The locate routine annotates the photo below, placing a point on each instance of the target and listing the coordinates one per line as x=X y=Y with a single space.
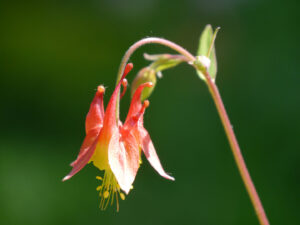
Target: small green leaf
x=207 y=48
x=164 y=61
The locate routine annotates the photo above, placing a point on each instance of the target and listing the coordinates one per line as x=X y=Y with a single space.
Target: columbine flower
x=115 y=147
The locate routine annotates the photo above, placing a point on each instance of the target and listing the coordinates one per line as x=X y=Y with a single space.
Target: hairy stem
x=222 y=113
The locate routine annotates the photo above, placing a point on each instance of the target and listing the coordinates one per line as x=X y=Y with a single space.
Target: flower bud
x=145 y=75
x=207 y=49
x=202 y=62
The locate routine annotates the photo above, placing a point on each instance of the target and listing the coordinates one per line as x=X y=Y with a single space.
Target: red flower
x=116 y=147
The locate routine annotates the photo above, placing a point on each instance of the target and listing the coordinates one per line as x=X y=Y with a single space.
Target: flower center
x=109 y=190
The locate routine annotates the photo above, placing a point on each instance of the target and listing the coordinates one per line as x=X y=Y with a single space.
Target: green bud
x=207 y=49
x=202 y=63
x=146 y=74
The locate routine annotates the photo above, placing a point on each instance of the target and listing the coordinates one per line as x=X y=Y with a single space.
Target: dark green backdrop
x=53 y=54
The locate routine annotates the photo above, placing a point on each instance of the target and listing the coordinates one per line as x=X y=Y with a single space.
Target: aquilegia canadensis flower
x=116 y=147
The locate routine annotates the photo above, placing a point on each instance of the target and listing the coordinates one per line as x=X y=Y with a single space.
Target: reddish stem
x=260 y=212
x=262 y=217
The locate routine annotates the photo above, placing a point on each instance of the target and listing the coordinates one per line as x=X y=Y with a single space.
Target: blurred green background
x=53 y=54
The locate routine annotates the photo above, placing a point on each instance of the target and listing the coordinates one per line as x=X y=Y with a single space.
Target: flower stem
x=136 y=45
x=262 y=217
x=152 y=40
x=222 y=113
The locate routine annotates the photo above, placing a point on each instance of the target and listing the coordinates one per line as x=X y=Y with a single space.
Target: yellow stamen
x=106 y=194
x=122 y=196
x=108 y=190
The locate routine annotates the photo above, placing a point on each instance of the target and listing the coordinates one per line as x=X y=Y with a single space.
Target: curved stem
x=151 y=40
x=262 y=217
x=222 y=113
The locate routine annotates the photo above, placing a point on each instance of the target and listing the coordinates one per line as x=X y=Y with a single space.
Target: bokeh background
x=53 y=54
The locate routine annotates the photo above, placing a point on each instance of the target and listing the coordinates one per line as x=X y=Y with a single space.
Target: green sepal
x=207 y=48
x=164 y=61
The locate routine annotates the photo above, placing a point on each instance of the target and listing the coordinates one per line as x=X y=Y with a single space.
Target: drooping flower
x=115 y=147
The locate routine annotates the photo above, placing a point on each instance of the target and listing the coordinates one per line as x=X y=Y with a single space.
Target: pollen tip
x=122 y=196
x=99 y=178
x=106 y=194
x=98 y=188
x=101 y=89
